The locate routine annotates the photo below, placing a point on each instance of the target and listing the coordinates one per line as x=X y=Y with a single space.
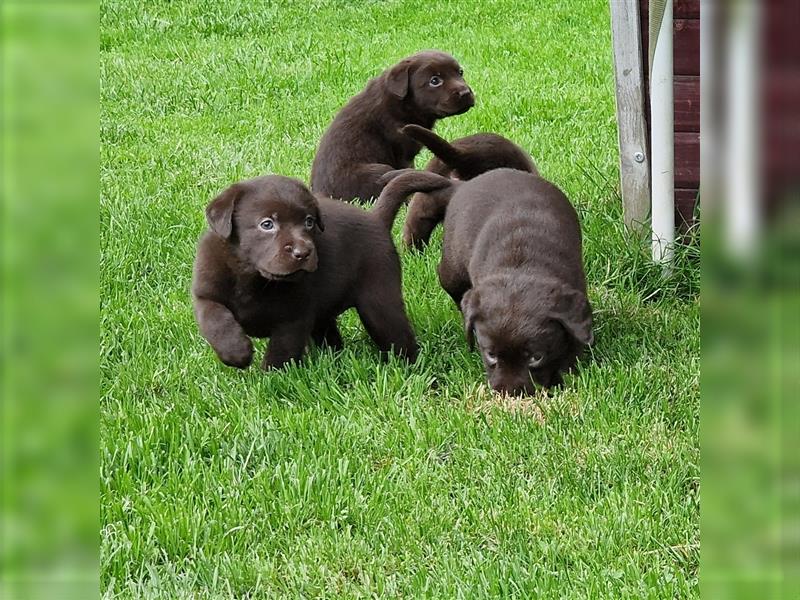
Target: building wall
x=686 y=69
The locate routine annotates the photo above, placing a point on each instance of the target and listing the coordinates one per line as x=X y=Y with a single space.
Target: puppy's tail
x=400 y=187
x=448 y=153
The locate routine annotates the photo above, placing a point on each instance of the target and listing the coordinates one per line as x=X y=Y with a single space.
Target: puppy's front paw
x=237 y=354
x=411 y=353
x=407 y=350
x=274 y=362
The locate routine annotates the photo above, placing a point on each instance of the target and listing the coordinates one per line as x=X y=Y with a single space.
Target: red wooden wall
x=686 y=69
x=779 y=122
x=780 y=88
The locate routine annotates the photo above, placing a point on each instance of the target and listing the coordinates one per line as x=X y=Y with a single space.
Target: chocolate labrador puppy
x=363 y=142
x=463 y=159
x=278 y=262
x=511 y=261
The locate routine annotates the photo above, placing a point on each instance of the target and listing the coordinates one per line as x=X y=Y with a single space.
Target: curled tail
x=448 y=153
x=405 y=183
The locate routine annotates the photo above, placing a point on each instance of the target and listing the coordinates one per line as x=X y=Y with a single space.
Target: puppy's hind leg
x=425 y=212
x=380 y=307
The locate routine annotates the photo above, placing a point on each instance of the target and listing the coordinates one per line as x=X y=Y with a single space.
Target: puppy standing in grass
x=280 y=263
x=462 y=159
x=511 y=260
x=363 y=142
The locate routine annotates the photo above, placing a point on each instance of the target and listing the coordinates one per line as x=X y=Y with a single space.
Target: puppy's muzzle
x=464 y=99
x=466 y=91
x=511 y=383
x=520 y=389
x=301 y=255
x=299 y=252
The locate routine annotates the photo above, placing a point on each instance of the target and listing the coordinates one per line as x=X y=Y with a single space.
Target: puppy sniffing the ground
x=279 y=263
x=463 y=159
x=363 y=142
x=511 y=261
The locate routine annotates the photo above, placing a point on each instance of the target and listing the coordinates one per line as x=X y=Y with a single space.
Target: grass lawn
x=348 y=477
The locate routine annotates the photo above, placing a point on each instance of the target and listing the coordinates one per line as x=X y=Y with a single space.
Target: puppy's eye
x=535 y=360
x=491 y=359
x=267 y=225
x=309 y=222
x=460 y=72
x=436 y=81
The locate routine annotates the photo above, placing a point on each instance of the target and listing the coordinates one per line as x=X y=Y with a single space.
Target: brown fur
x=279 y=263
x=462 y=159
x=511 y=261
x=363 y=142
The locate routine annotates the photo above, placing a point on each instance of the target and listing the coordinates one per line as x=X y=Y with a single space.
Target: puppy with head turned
x=511 y=260
x=363 y=142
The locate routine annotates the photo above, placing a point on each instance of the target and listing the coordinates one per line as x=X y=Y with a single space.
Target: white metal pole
x=743 y=148
x=663 y=143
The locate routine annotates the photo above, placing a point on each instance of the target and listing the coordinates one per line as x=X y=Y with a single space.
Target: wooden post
x=634 y=164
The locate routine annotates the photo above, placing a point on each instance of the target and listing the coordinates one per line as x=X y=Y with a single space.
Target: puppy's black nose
x=298 y=252
x=464 y=92
x=510 y=388
x=301 y=253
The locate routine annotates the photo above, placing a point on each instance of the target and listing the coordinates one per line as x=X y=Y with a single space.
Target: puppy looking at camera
x=279 y=263
x=511 y=260
x=363 y=142
x=463 y=159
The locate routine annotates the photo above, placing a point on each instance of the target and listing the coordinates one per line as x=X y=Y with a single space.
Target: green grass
x=348 y=477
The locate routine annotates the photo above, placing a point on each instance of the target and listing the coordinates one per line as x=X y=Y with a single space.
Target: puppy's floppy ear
x=397 y=79
x=572 y=310
x=219 y=213
x=469 y=308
